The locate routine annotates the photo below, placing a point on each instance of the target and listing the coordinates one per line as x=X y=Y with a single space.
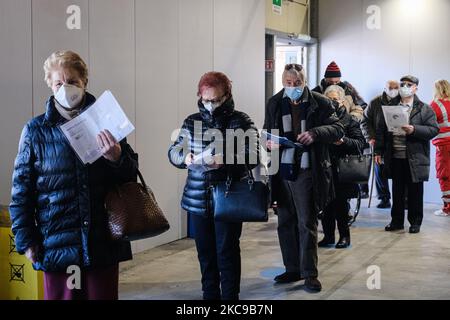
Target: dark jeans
x=381 y=183
x=336 y=211
x=402 y=183
x=219 y=255
x=297 y=226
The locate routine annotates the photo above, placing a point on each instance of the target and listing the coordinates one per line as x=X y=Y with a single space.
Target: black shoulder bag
x=354 y=168
x=245 y=200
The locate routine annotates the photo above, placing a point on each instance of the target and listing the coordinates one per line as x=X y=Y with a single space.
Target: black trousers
x=219 y=255
x=402 y=183
x=297 y=226
x=336 y=211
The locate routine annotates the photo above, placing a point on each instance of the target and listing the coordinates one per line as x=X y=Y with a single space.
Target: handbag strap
x=251 y=178
x=141 y=177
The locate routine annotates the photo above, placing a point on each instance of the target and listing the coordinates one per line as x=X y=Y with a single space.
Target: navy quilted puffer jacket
x=58 y=203
x=196 y=196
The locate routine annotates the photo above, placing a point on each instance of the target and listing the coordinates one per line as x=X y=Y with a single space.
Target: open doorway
x=287 y=51
x=282 y=50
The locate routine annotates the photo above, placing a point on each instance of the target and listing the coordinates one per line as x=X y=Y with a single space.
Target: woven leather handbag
x=246 y=200
x=133 y=213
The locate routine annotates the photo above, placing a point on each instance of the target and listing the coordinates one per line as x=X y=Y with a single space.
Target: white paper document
x=202 y=162
x=206 y=157
x=396 y=117
x=104 y=114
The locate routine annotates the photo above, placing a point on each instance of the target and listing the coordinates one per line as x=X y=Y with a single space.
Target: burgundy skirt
x=96 y=284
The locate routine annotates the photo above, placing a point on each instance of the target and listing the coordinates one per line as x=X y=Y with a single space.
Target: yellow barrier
x=18 y=280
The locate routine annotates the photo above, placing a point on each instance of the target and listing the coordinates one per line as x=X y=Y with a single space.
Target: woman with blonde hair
x=57 y=209
x=441 y=106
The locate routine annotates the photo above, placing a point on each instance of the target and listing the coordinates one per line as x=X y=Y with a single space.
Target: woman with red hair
x=217 y=242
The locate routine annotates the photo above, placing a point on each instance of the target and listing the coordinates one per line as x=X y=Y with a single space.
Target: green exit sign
x=276 y=6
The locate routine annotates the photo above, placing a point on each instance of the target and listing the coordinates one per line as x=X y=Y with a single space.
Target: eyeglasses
x=406 y=84
x=217 y=100
x=295 y=66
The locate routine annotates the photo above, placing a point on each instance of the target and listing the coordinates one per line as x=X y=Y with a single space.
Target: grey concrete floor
x=411 y=266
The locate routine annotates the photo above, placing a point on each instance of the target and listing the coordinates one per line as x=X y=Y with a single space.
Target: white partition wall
x=150 y=54
x=50 y=33
x=377 y=40
x=157 y=102
x=239 y=51
x=111 y=52
x=196 y=57
x=16 y=84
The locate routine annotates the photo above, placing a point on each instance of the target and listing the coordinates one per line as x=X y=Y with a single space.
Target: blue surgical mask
x=293 y=93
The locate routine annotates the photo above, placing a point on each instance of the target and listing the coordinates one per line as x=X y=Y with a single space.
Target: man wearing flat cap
x=407 y=155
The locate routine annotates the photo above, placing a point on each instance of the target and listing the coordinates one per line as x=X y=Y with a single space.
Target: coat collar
x=417 y=106
x=219 y=117
x=306 y=97
x=52 y=116
x=324 y=85
x=385 y=99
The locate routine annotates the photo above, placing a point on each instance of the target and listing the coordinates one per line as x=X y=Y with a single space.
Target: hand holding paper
x=204 y=161
x=271 y=146
x=409 y=130
x=104 y=115
x=111 y=149
x=281 y=141
x=396 y=117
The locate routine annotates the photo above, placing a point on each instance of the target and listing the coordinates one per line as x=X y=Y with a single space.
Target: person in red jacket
x=441 y=106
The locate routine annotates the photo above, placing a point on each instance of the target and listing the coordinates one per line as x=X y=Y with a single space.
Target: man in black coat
x=303 y=186
x=373 y=115
x=333 y=76
x=407 y=155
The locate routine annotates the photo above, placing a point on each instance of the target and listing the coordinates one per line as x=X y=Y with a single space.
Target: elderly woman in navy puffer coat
x=57 y=209
x=217 y=242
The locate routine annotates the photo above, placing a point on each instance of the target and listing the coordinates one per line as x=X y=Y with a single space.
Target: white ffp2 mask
x=69 y=96
x=211 y=106
x=406 y=92
x=392 y=93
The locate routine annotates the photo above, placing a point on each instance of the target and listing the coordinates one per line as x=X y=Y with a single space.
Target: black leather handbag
x=246 y=200
x=354 y=168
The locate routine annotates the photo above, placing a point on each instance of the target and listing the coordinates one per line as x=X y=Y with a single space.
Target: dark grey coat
x=324 y=123
x=426 y=127
x=373 y=115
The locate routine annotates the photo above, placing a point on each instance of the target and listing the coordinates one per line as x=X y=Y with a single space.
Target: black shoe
x=313 y=284
x=414 y=229
x=343 y=243
x=325 y=243
x=364 y=195
x=288 y=277
x=384 y=204
x=393 y=227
